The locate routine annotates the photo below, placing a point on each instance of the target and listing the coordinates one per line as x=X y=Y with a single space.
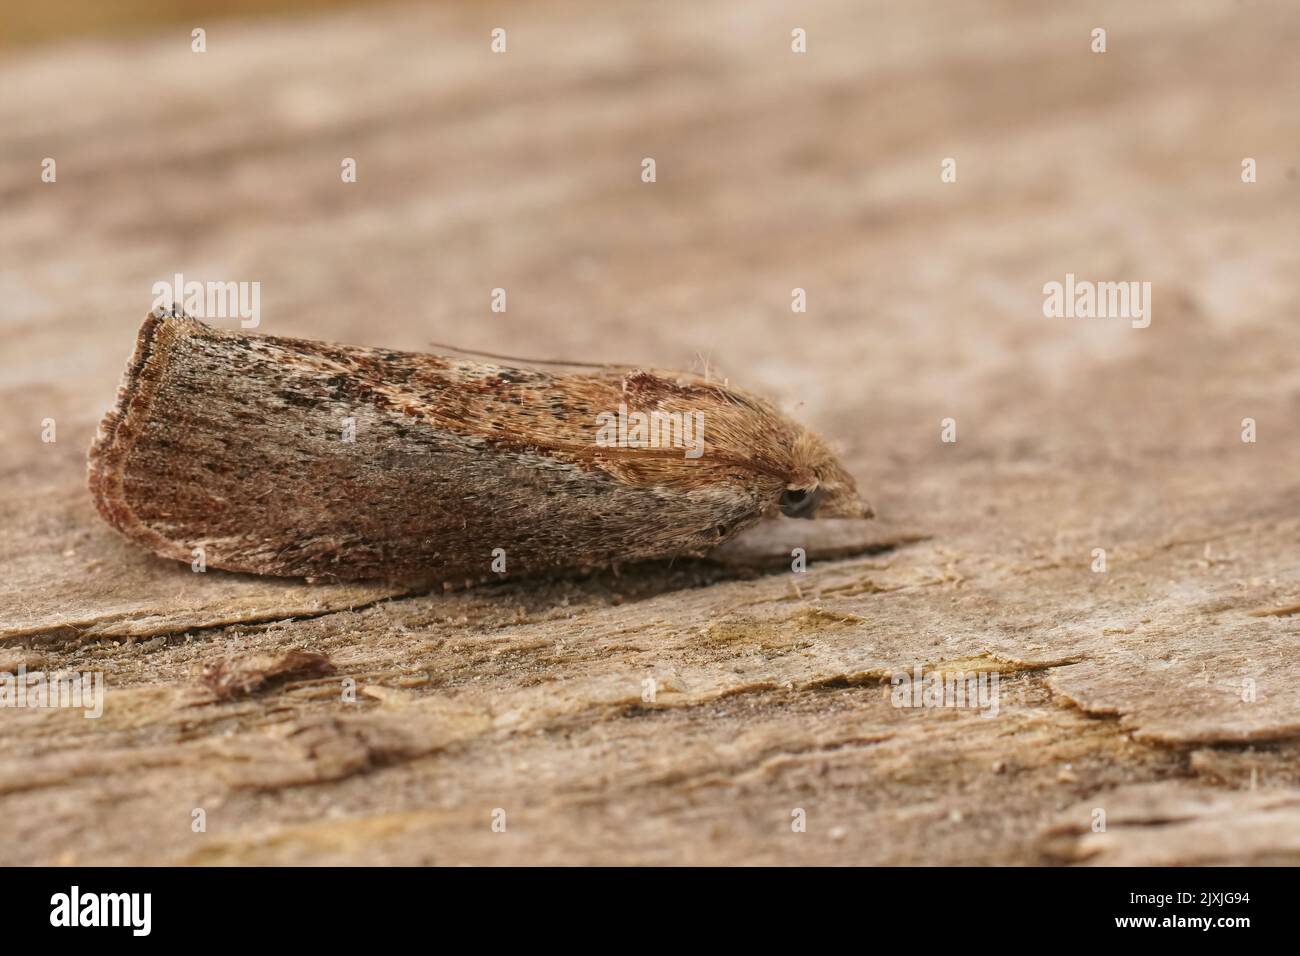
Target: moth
x=290 y=457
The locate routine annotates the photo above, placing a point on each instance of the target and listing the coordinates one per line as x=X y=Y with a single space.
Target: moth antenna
x=529 y=361
x=608 y=366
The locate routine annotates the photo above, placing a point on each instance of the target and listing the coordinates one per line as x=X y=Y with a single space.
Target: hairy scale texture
x=234 y=443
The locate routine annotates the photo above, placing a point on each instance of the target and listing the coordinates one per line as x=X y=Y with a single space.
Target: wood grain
x=1155 y=690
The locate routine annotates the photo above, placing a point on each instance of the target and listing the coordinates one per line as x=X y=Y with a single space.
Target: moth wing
x=288 y=457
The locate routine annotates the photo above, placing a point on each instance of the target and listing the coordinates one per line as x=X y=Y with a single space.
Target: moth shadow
x=772 y=549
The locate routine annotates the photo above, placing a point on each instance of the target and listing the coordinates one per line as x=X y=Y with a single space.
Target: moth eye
x=799 y=502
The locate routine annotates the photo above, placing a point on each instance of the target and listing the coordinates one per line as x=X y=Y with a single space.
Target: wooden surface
x=1120 y=691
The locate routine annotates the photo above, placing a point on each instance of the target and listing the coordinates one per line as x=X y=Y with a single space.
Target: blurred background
x=775 y=171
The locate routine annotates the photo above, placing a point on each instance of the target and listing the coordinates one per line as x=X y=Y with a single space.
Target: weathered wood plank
x=1162 y=690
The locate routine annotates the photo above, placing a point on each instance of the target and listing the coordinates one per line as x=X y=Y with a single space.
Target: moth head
x=818 y=486
x=787 y=460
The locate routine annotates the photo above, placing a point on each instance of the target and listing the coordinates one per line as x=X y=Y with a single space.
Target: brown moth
x=290 y=457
